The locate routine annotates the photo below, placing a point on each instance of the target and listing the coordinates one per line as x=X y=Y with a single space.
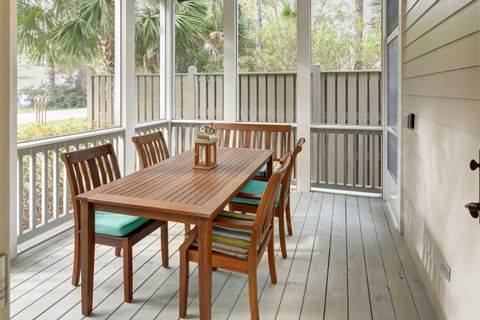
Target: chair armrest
x=249 y=196
x=228 y=223
x=190 y=239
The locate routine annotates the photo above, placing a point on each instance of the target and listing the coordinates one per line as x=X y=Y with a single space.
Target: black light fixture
x=411 y=121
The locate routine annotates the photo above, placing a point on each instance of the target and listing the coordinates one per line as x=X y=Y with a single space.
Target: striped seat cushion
x=231 y=241
x=263 y=171
x=255 y=187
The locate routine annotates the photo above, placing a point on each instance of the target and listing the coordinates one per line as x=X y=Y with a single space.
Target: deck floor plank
x=336 y=306
x=401 y=296
x=316 y=286
x=345 y=261
x=380 y=299
x=292 y=299
x=358 y=293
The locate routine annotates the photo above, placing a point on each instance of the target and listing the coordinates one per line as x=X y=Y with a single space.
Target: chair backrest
x=276 y=137
x=285 y=186
x=151 y=148
x=88 y=169
x=265 y=212
x=298 y=147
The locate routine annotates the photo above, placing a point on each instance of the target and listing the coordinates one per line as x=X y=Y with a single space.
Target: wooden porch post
x=304 y=85
x=230 y=75
x=13 y=129
x=5 y=142
x=167 y=58
x=125 y=77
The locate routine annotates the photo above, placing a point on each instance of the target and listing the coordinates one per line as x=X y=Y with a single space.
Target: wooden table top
x=175 y=187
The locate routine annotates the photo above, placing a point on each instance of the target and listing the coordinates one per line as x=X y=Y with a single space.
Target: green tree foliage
x=334 y=40
x=68 y=33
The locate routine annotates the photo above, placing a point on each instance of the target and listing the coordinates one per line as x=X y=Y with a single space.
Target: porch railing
x=346 y=130
x=347 y=157
x=42 y=186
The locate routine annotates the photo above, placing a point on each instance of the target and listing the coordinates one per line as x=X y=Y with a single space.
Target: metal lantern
x=205 y=155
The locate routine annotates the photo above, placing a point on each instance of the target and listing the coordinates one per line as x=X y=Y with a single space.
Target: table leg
x=270 y=168
x=87 y=252
x=205 y=268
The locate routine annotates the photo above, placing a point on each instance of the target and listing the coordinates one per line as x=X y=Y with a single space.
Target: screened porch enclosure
x=346 y=132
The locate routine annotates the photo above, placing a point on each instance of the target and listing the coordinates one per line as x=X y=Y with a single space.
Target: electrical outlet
x=446 y=271
x=3 y=280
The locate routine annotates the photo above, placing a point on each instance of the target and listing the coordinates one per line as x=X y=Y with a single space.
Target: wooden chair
x=238 y=243
x=152 y=149
x=276 y=137
x=88 y=169
x=249 y=197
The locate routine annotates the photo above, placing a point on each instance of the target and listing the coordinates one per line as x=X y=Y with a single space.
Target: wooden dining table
x=173 y=191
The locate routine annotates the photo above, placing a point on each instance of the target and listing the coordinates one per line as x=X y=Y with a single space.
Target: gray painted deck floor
x=345 y=261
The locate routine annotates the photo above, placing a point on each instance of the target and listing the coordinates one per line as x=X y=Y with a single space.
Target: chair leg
x=271 y=261
x=252 y=293
x=187 y=228
x=184 y=277
x=289 y=219
x=76 y=258
x=281 y=234
x=164 y=244
x=127 y=272
x=118 y=251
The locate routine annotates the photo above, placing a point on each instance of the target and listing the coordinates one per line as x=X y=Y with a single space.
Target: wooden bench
x=275 y=137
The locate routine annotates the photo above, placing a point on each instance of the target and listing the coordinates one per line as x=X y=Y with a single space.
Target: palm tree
x=34 y=26
x=68 y=33
x=190 y=28
x=376 y=6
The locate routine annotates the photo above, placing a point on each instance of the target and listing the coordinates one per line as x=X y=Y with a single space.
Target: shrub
x=67 y=97
x=54 y=128
x=64 y=96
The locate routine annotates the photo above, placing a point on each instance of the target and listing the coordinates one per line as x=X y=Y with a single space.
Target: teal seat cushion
x=263 y=171
x=255 y=187
x=117 y=225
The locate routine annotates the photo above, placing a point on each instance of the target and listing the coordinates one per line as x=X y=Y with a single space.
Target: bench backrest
x=276 y=137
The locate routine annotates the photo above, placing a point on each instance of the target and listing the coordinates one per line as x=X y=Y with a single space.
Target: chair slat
x=103 y=173
x=109 y=167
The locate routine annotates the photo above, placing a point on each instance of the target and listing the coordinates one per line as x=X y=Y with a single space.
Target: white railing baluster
x=45 y=171
x=20 y=193
x=44 y=213
x=32 y=190
x=55 y=181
